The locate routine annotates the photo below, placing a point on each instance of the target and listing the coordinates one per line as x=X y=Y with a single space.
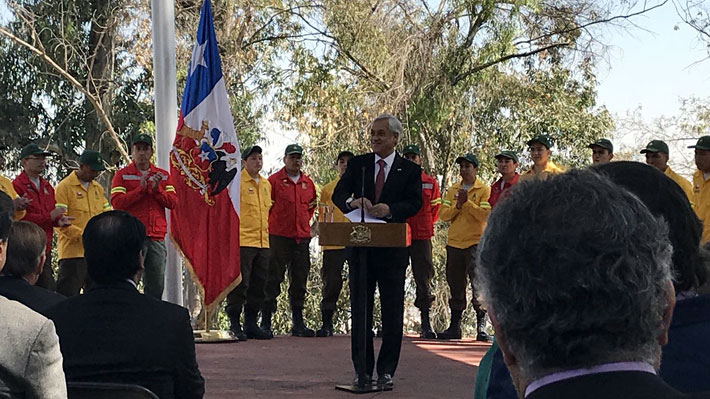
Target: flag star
x=198 y=56
x=205 y=156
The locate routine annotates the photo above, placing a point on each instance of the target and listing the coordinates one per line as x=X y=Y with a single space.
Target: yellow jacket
x=467 y=223
x=254 y=202
x=701 y=191
x=7 y=188
x=82 y=204
x=550 y=169
x=326 y=198
x=682 y=182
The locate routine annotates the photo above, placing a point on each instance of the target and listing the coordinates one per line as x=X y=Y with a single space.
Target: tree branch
x=489 y=64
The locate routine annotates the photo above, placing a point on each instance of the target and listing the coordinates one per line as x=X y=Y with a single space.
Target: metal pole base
x=212 y=336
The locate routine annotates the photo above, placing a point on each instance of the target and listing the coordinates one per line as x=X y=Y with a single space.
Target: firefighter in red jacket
x=41 y=209
x=145 y=191
x=294 y=197
x=422 y=226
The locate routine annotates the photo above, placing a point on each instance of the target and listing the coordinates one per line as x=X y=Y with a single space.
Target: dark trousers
x=154 y=273
x=332 y=275
x=72 y=276
x=46 y=279
x=287 y=254
x=423 y=271
x=254 y=263
x=386 y=269
x=461 y=263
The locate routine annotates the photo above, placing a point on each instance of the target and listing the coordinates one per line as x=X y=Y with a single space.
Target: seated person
x=25 y=261
x=113 y=333
x=685 y=362
x=593 y=287
x=30 y=360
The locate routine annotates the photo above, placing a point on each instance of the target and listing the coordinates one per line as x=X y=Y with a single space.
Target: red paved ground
x=310 y=368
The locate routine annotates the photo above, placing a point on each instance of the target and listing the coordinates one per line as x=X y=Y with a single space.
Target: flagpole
x=163 y=21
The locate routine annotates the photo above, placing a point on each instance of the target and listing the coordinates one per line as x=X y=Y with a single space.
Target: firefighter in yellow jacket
x=466 y=208
x=254 y=252
x=701 y=185
x=20 y=203
x=542 y=168
x=83 y=198
x=333 y=257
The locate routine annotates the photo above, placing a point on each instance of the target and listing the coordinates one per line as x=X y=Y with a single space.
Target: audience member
x=25 y=261
x=594 y=295
x=30 y=360
x=685 y=361
x=113 y=333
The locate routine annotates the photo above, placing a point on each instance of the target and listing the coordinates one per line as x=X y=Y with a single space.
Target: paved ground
x=310 y=368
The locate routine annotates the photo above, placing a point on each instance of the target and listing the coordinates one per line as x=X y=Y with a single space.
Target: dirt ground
x=311 y=367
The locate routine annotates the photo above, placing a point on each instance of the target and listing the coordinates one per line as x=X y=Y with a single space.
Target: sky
x=655 y=67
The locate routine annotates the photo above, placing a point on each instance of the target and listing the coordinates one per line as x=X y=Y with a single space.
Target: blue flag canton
x=205 y=67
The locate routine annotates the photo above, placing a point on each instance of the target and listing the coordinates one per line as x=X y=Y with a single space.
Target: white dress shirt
x=388 y=164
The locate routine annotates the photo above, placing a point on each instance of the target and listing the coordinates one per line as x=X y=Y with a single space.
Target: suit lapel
x=370 y=177
x=394 y=174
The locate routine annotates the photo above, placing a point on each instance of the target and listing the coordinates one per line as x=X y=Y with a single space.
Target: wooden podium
x=360 y=236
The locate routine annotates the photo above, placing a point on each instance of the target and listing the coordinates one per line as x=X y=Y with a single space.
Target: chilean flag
x=205 y=165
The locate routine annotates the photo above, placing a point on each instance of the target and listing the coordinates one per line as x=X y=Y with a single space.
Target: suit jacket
x=36 y=298
x=113 y=333
x=613 y=385
x=685 y=360
x=30 y=360
x=402 y=191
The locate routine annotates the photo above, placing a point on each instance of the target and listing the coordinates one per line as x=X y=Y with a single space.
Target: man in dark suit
x=113 y=333
x=25 y=261
x=392 y=192
x=592 y=292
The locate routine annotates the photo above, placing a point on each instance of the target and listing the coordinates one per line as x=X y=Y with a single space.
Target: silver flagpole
x=163 y=13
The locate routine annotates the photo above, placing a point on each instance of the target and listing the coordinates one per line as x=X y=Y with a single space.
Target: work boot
x=266 y=323
x=236 y=327
x=252 y=329
x=299 y=329
x=426 y=331
x=454 y=330
x=481 y=327
x=327 y=329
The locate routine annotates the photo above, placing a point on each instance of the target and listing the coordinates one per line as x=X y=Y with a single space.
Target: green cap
x=293 y=149
x=32 y=149
x=468 y=158
x=93 y=159
x=508 y=154
x=142 y=138
x=411 y=149
x=250 y=150
x=542 y=139
x=702 y=144
x=655 y=146
x=603 y=143
x=345 y=153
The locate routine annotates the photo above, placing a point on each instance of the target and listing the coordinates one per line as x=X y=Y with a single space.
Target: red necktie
x=380 y=179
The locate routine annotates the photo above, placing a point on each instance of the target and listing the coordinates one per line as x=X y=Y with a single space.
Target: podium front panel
x=365 y=234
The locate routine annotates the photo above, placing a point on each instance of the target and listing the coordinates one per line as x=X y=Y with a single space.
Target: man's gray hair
x=576 y=271
x=393 y=124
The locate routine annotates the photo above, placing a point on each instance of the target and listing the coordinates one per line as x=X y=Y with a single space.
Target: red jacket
x=41 y=205
x=499 y=189
x=144 y=203
x=422 y=224
x=293 y=205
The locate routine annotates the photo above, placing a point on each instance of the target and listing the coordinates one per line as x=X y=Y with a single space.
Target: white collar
x=389 y=160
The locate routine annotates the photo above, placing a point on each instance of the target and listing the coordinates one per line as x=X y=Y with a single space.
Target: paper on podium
x=355 y=217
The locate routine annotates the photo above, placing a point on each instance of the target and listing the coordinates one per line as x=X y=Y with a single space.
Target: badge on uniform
x=79 y=194
x=251 y=190
x=427 y=186
x=45 y=191
x=303 y=185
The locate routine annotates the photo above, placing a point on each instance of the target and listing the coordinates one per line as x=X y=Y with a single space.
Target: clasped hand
x=377 y=210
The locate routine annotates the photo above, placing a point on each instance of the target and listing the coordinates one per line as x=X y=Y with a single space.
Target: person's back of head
x=25 y=251
x=114 y=246
x=665 y=198
x=575 y=272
